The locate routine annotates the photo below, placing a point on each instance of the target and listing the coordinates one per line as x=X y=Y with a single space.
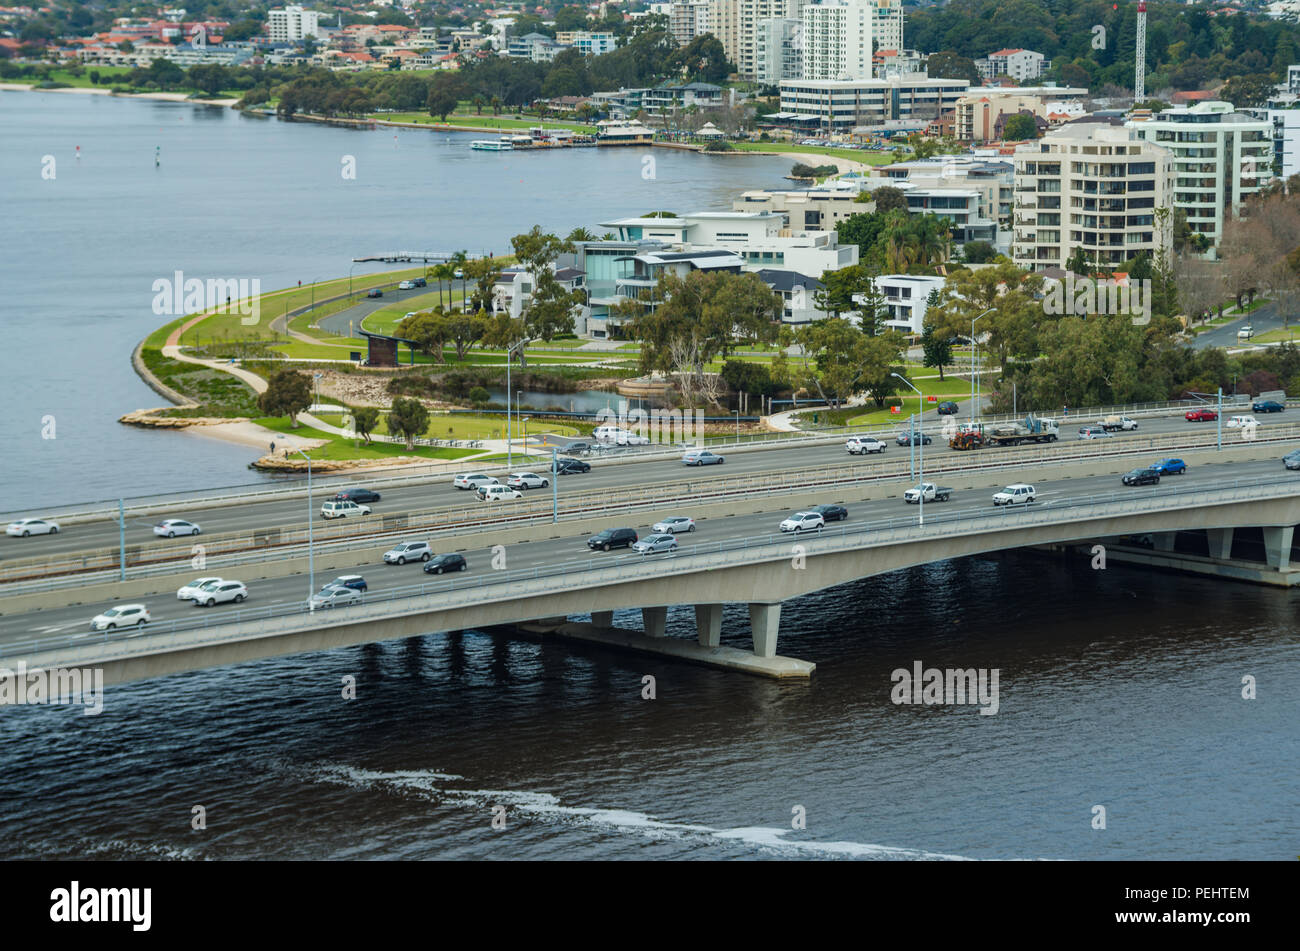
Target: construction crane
x=1139 y=79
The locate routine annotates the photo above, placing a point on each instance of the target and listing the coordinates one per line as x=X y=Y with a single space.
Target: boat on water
x=491 y=145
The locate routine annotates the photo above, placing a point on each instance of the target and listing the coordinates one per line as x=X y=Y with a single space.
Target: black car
x=1292 y=459
x=612 y=538
x=448 y=562
x=420 y=282
x=565 y=466
x=1267 y=406
x=1141 y=477
x=830 y=513
x=905 y=439
x=947 y=408
x=578 y=447
x=360 y=496
x=374 y=292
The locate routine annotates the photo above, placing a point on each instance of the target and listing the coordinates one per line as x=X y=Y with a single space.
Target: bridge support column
x=1163 y=541
x=654 y=620
x=602 y=618
x=1220 y=540
x=708 y=624
x=1277 y=546
x=764 y=619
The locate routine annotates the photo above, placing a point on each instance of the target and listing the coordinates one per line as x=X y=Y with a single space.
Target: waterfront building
x=664 y=99
x=586 y=42
x=838 y=106
x=534 y=47
x=819 y=208
x=735 y=24
x=292 y=24
x=906 y=299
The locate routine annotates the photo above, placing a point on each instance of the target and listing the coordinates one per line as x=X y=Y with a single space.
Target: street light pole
x=509 y=444
x=311 y=562
x=920 y=457
x=974 y=391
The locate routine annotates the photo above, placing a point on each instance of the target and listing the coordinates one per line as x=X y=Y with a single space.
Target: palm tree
x=479 y=103
x=457 y=263
x=496 y=105
x=580 y=234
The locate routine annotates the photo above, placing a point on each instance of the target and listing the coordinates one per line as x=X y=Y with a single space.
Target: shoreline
x=90 y=91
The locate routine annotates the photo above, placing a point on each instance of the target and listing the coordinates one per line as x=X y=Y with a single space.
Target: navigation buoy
x=157 y=155
x=78 y=153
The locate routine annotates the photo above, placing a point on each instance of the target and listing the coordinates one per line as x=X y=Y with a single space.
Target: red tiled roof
x=1006 y=52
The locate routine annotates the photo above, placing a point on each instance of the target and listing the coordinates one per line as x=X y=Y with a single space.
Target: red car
x=1201 y=416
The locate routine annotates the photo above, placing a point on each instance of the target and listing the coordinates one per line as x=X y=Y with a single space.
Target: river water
x=233 y=196
x=1119 y=688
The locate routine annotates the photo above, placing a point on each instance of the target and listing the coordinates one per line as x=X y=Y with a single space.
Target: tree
x=549 y=308
x=702 y=60
x=888 y=198
x=978 y=252
x=484 y=272
x=365 y=419
x=1078 y=262
x=1248 y=92
x=464 y=330
x=937 y=349
x=1006 y=296
x=1019 y=127
x=287 y=393
x=408 y=418
x=428 y=330
x=444 y=94
x=949 y=64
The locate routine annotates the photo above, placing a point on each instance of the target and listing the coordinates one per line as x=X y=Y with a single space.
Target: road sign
x=932 y=399
x=895 y=409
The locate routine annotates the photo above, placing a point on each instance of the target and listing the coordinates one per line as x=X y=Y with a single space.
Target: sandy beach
x=82 y=90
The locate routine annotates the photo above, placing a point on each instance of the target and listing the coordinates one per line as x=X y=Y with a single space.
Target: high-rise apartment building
x=688 y=20
x=778 y=50
x=837 y=39
x=735 y=24
x=292 y=24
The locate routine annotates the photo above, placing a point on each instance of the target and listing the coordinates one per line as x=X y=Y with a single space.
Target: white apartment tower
x=292 y=24
x=735 y=24
x=688 y=20
x=837 y=39
x=887 y=24
x=778 y=50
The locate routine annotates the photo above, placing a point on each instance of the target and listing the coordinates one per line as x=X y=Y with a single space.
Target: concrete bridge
x=761 y=570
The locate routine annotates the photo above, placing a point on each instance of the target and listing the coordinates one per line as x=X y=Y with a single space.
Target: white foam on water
x=546 y=807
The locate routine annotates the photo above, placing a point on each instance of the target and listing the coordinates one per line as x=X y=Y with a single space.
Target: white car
x=342 y=508
x=673 y=524
x=1246 y=332
x=472 y=480
x=1017 y=494
x=654 y=543
x=32 y=526
x=170 y=528
x=1238 y=422
x=803 y=522
x=498 y=493
x=527 y=480
x=408 y=551
x=333 y=595
x=220 y=592
x=406 y=286
x=618 y=436
x=859 y=445
x=189 y=592
x=124 y=615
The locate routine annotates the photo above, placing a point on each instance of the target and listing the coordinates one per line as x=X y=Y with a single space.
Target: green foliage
x=365 y=419
x=288 y=393
x=408 y=418
x=1020 y=127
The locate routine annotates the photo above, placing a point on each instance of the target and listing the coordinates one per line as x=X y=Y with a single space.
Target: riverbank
x=87 y=91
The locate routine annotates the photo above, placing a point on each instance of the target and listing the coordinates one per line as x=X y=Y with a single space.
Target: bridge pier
x=1163 y=541
x=654 y=621
x=602 y=618
x=1277 y=546
x=1220 y=542
x=708 y=624
x=764 y=619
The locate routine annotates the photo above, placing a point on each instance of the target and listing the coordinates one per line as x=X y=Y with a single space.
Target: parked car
x=403 y=552
x=565 y=466
x=803 y=522
x=527 y=480
x=831 y=513
x=579 y=447
x=1141 y=477
x=170 y=528
x=220 y=592
x=124 y=615
x=333 y=509
x=349 y=581
x=374 y=292
x=497 y=493
x=612 y=538
x=473 y=480
x=673 y=525
x=334 y=595
x=358 y=495
x=445 y=562
x=1292 y=459
x=905 y=439
x=1200 y=416
x=1170 y=467
x=188 y=592
x=32 y=526
x=861 y=445
x=1094 y=432
x=1240 y=422
x=702 y=457
x=947 y=408
x=406 y=286
x=1015 y=494
x=1267 y=406
x=655 y=543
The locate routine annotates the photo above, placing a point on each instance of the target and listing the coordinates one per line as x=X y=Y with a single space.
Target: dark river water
x=1118 y=688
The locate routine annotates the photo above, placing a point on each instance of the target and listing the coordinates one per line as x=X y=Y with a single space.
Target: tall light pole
x=354 y=264
x=973 y=390
x=509 y=445
x=918 y=435
x=311 y=563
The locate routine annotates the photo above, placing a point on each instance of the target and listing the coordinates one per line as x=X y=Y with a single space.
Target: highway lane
x=259 y=515
x=64 y=621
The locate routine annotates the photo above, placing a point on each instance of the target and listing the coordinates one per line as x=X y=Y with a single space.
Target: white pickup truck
x=928 y=492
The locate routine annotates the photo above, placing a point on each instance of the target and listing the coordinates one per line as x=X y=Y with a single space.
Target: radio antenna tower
x=1139 y=79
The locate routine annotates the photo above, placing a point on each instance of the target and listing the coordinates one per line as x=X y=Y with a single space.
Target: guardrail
x=571 y=575
x=21 y=576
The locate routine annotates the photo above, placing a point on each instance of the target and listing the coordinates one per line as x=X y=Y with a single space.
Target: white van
x=1241 y=422
x=618 y=436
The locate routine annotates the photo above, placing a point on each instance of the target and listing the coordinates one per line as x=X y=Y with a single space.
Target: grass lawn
x=338 y=448
x=457 y=426
x=853 y=155
x=1272 y=336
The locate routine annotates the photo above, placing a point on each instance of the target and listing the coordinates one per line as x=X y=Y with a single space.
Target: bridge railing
x=454 y=591
x=35 y=574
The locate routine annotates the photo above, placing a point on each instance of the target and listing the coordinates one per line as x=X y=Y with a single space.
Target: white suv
x=527 y=480
x=498 y=493
x=803 y=522
x=124 y=615
x=1241 y=422
x=401 y=553
x=1018 y=494
x=473 y=480
x=335 y=508
x=859 y=445
x=618 y=436
x=219 y=592
x=188 y=592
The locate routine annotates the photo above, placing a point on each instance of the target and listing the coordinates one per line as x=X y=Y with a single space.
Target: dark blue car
x=1267 y=406
x=348 y=581
x=1170 y=467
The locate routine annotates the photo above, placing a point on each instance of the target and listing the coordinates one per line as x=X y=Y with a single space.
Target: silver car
x=673 y=524
x=334 y=595
x=655 y=543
